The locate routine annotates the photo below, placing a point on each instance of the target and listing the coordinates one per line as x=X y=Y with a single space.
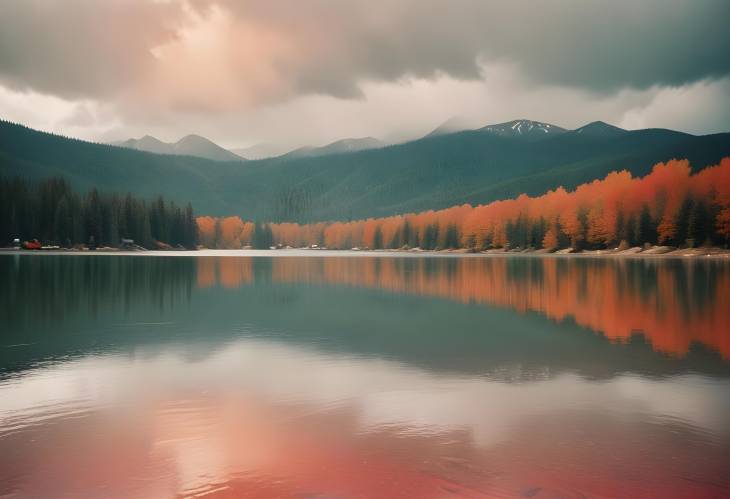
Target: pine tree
x=378 y=238
x=451 y=239
x=62 y=223
x=698 y=228
x=218 y=238
x=646 y=231
x=682 y=222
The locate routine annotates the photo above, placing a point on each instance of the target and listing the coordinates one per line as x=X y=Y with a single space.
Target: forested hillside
x=35 y=155
x=51 y=211
x=434 y=172
x=669 y=206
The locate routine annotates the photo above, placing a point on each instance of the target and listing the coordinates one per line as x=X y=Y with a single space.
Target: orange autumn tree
x=669 y=206
x=206 y=231
x=713 y=183
x=230 y=232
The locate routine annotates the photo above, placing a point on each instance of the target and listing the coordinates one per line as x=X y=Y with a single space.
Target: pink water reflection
x=261 y=419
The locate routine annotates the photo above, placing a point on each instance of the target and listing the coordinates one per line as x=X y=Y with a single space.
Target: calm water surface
x=373 y=377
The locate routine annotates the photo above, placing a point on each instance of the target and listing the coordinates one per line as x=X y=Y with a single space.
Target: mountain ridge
x=337 y=147
x=451 y=125
x=262 y=150
x=189 y=145
x=599 y=128
x=523 y=128
x=428 y=173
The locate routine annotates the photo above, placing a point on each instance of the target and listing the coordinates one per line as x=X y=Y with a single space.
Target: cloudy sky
x=309 y=72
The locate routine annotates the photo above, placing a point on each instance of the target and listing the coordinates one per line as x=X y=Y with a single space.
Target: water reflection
x=508 y=318
x=261 y=419
x=363 y=377
x=674 y=303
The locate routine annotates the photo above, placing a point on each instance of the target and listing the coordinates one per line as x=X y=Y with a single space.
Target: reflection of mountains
x=672 y=303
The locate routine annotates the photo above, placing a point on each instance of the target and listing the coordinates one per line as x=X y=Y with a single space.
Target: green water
x=363 y=376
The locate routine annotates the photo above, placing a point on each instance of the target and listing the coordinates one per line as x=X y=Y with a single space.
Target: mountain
x=35 y=155
x=452 y=125
x=147 y=143
x=599 y=129
x=190 y=145
x=261 y=151
x=338 y=147
x=524 y=128
x=195 y=145
x=431 y=172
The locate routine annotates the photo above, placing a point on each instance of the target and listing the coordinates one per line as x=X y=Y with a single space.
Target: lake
x=332 y=375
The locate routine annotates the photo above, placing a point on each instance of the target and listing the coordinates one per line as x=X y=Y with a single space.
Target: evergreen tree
x=62 y=223
x=378 y=238
x=631 y=230
x=646 y=229
x=430 y=237
x=537 y=233
x=699 y=225
x=451 y=239
x=396 y=241
x=406 y=236
x=50 y=211
x=263 y=236
x=218 y=238
x=682 y=222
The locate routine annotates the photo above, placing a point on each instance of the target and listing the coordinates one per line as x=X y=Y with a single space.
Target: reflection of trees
x=69 y=305
x=673 y=303
x=46 y=289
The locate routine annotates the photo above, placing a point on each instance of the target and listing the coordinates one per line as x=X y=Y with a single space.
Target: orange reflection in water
x=669 y=303
x=230 y=272
x=241 y=445
x=268 y=451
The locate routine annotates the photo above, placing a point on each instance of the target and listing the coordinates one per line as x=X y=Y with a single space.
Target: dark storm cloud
x=609 y=45
x=80 y=48
x=600 y=46
x=90 y=48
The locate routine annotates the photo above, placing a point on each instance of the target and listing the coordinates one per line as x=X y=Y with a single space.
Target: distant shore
x=636 y=252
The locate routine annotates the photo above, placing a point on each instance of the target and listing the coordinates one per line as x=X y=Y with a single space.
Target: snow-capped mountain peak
x=523 y=128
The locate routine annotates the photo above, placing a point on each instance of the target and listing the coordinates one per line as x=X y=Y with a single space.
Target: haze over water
x=363 y=376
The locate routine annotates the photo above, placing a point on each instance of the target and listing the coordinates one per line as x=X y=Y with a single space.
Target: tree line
x=53 y=213
x=234 y=233
x=669 y=206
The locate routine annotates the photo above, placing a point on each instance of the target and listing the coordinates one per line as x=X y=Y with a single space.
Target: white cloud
x=381 y=392
x=83 y=119
x=249 y=71
x=702 y=107
x=394 y=111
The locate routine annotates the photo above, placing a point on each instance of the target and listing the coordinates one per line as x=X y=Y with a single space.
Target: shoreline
x=656 y=252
